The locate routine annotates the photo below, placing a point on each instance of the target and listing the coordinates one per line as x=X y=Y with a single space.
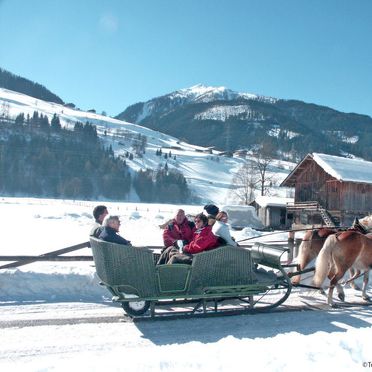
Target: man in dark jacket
x=110 y=231
x=180 y=228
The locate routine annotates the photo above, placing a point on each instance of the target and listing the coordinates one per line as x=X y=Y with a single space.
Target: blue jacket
x=110 y=235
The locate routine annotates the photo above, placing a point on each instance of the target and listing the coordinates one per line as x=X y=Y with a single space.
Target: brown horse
x=342 y=251
x=311 y=244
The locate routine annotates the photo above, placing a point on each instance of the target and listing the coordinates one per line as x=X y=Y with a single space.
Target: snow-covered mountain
x=228 y=120
x=209 y=175
x=196 y=94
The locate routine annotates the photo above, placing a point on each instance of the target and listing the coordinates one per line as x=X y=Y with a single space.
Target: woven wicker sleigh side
x=131 y=275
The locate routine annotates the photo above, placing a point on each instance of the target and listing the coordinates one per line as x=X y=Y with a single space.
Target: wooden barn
x=329 y=190
x=272 y=211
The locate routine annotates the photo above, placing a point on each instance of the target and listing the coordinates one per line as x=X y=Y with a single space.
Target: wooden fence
x=20 y=260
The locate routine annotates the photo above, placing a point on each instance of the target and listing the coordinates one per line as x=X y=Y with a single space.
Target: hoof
x=366 y=298
x=341 y=296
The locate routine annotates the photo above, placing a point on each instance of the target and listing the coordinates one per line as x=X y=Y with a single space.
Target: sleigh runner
x=224 y=280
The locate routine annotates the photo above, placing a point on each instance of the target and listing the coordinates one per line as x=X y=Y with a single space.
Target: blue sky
x=109 y=54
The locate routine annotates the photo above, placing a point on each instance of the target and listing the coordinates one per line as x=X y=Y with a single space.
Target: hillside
x=19 y=84
x=230 y=121
x=208 y=174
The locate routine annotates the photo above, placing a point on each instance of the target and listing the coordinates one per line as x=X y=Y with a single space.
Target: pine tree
x=55 y=123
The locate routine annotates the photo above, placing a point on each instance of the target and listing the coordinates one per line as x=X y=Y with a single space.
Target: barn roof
x=342 y=169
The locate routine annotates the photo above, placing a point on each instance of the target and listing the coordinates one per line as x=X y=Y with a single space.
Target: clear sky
x=109 y=54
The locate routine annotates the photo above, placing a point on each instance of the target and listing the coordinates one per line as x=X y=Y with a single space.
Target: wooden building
x=330 y=190
x=272 y=211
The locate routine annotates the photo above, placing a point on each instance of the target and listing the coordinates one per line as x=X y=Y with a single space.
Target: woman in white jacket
x=221 y=228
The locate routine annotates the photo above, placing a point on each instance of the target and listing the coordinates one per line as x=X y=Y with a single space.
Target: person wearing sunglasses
x=180 y=228
x=203 y=240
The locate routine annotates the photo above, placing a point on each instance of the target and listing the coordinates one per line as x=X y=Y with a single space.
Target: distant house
x=241 y=216
x=330 y=190
x=241 y=153
x=272 y=211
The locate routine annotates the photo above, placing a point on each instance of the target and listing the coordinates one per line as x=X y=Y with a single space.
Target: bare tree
x=253 y=176
x=261 y=161
x=245 y=183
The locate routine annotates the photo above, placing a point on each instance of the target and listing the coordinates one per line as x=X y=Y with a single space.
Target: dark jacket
x=110 y=235
x=174 y=232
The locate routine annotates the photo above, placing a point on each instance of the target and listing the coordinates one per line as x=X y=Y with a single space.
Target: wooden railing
x=49 y=256
x=54 y=256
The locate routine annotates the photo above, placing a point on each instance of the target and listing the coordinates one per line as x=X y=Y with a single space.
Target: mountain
x=229 y=120
x=22 y=85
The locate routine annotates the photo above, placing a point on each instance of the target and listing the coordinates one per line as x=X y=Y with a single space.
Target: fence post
x=298 y=242
x=291 y=236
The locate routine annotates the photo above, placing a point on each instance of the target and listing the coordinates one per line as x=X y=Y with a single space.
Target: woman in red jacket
x=203 y=240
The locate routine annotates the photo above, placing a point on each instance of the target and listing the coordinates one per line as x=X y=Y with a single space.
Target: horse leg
x=340 y=292
x=333 y=284
x=303 y=259
x=353 y=275
x=365 y=284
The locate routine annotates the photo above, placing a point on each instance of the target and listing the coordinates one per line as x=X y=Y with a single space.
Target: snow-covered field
x=209 y=175
x=55 y=317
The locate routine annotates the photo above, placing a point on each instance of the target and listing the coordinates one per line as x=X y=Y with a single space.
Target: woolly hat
x=211 y=209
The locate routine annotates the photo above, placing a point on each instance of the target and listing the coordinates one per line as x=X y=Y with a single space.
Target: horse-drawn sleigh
x=215 y=277
x=225 y=280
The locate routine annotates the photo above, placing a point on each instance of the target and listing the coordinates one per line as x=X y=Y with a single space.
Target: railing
x=53 y=256
x=49 y=256
x=313 y=206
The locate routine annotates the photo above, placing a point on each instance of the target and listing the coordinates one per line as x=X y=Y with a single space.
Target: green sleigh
x=224 y=280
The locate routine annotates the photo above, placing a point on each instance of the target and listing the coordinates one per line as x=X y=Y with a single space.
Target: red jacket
x=203 y=240
x=174 y=232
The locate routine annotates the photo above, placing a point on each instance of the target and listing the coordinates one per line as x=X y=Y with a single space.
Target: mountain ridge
x=242 y=120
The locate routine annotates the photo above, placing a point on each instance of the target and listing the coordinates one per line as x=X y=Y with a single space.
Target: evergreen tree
x=55 y=123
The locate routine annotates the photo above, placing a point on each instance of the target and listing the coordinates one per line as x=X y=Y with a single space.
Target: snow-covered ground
x=208 y=174
x=55 y=317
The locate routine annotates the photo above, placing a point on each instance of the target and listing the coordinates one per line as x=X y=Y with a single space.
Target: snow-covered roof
x=345 y=169
x=342 y=169
x=273 y=201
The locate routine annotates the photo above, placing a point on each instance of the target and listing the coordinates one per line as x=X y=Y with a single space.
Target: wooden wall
x=314 y=184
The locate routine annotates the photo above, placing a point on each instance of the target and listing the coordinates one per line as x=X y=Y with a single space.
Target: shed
x=272 y=211
x=330 y=190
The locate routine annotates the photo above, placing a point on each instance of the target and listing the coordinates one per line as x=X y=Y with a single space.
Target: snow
x=209 y=176
x=55 y=317
x=223 y=113
x=345 y=169
x=202 y=93
x=274 y=201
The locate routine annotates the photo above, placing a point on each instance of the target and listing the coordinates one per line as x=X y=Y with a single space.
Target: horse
x=311 y=244
x=313 y=241
x=340 y=252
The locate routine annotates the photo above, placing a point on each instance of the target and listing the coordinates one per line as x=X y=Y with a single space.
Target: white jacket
x=221 y=229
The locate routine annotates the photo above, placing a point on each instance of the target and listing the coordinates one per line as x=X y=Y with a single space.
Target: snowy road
x=58 y=335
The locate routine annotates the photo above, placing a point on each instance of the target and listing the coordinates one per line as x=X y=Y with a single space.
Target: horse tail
x=323 y=262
